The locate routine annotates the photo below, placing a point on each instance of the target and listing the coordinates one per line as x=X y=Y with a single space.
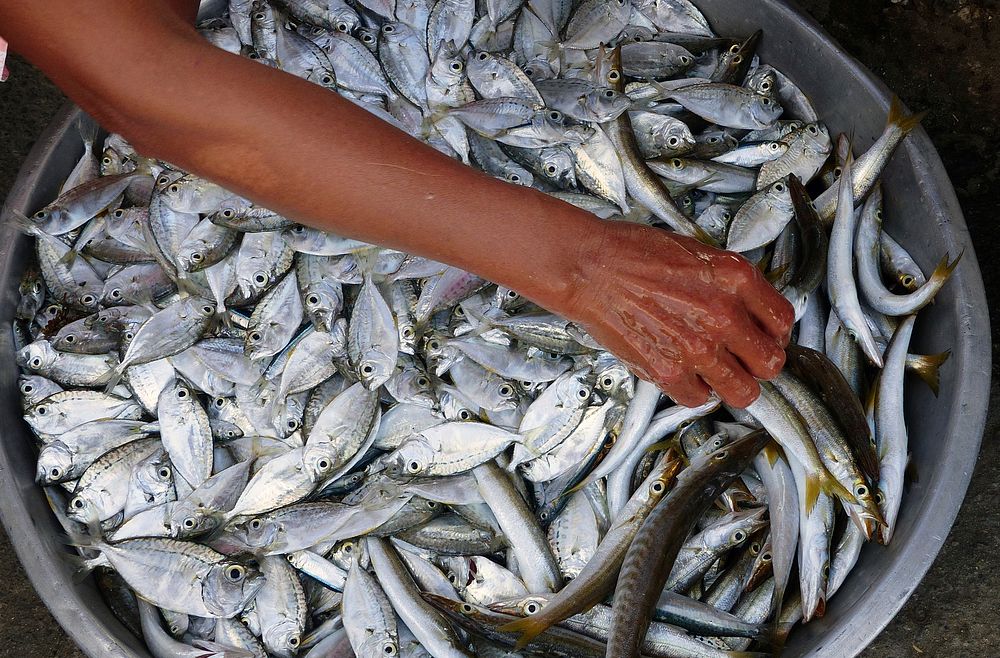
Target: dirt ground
x=938 y=55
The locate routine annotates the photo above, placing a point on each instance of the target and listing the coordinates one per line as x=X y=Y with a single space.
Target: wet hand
x=685 y=316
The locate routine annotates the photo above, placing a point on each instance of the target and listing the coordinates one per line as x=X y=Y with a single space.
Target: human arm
x=678 y=312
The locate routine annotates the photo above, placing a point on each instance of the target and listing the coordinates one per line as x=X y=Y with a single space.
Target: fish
x=273 y=439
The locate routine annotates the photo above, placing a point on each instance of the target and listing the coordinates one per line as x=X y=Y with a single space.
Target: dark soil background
x=938 y=55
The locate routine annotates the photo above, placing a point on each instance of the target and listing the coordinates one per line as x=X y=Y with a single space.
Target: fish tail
x=69 y=257
x=528 y=627
x=772 y=451
x=928 y=367
x=944 y=268
x=22 y=222
x=88 y=129
x=111 y=378
x=903 y=122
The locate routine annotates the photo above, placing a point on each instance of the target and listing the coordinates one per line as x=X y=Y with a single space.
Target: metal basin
x=945 y=432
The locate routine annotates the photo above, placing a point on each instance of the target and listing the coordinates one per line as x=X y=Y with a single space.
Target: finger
x=774 y=313
x=730 y=380
x=687 y=389
x=758 y=353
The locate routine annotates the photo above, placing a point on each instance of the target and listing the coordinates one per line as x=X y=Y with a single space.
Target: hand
x=685 y=316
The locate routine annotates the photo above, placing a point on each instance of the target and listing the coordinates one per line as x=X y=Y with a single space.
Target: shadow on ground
x=938 y=55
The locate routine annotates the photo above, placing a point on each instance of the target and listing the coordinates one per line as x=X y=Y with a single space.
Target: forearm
x=317 y=158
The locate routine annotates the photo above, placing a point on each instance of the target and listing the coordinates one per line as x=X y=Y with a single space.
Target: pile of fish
x=266 y=440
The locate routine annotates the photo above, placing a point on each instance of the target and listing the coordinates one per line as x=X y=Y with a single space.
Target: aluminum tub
x=922 y=213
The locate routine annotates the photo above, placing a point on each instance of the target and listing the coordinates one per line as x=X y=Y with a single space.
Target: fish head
x=54 y=463
x=375 y=368
x=37 y=356
x=191 y=257
x=187 y=520
x=606 y=103
x=817 y=137
x=765 y=110
x=764 y=81
x=154 y=475
x=814 y=570
x=324 y=76
x=323 y=303
x=230 y=585
x=83 y=508
x=411 y=458
x=283 y=638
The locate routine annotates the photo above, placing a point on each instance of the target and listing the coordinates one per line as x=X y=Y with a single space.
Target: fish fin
x=24 y=224
x=813 y=485
x=903 y=122
x=928 y=367
x=528 y=627
x=70 y=256
x=772 y=451
x=944 y=268
x=831 y=486
x=88 y=129
x=111 y=378
x=911 y=473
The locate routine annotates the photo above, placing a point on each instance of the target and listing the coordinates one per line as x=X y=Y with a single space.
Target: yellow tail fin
x=928 y=367
x=528 y=627
x=898 y=117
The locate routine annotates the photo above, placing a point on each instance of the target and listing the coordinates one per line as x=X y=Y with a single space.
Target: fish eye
x=609 y=93
x=207 y=310
x=344 y=27
x=813 y=130
x=657 y=487
x=433 y=344
x=88 y=299
x=879 y=497
x=175 y=188
x=128 y=335
x=106 y=161
x=531 y=608
x=389 y=649
x=555 y=115
x=607 y=382
x=27 y=388
x=779 y=187
x=259 y=16
x=765 y=101
x=456 y=66
x=115 y=293
x=583 y=393
x=182 y=393
x=423 y=382
x=326 y=79
x=482 y=57
x=755 y=548
x=505 y=390
x=220 y=402
x=529 y=71
x=738 y=59
x=35 y=363
x=766 y=86
x=164 y=473
x=408 y=333
x=452 y=578
x=254 y=336
x=551 y=169
x=348 y=547
x=861 y=490
x=432 y=504
x=722 y=455
x=685 y=59
x=163 y=180
x=739 y=536
x=735 y=48
x=413 y=466
x=614 y=75
x=673 y=141
x=766 y=557
x=676 y=163
x=467 y=609
x=459 y=312
x=256 y=524
x=292 y=424
x=52 y=309
x=189 y=523
x=70 y=338
x=56 y=472
x=826 y=570
x=388 y=29
x=878 y=214
x=235 y=573
x=907 y=280
x=367 y=369
x=512 y=294
x=773 y=146
x=260 y=279
x=465 y=414
x=77 y=503
x=119 y=213
x=367 y=38
x=228 y=213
